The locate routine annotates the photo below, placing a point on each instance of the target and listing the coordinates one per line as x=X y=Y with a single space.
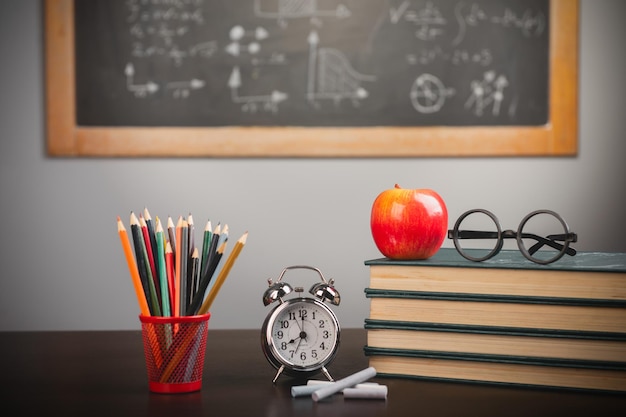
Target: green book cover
x=492 y=298
x=513 y=259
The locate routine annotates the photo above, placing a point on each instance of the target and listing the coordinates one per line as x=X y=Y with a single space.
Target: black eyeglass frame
x=550 y=240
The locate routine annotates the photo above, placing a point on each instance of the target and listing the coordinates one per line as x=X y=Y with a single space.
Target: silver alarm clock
x=300 y=336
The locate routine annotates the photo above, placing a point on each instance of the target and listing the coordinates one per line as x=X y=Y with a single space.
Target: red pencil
x=169 y=267
x=179 y=258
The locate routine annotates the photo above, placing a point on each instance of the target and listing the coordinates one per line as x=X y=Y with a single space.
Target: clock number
x=322 y=346
x=283 y=346
x=284 y=324
x=314 y=353
x=302 y=314
x=302 y=356
x=279 y=334
x=321 y=326
x=325 y=334
x=292 y=315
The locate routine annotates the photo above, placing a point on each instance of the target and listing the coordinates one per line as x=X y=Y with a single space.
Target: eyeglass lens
x=542 y=236
x=478 y=236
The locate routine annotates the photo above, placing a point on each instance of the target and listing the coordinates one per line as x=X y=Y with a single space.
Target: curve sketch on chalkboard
x=331 y=76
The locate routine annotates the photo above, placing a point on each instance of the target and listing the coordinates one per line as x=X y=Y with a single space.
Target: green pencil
x=206 y=243
x=160 y=242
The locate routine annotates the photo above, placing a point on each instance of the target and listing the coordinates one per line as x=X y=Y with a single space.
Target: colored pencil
x=193 y=279
x=177 y=269
x=160 y=242
x=232 y=257
x=132 y=267
x=183 y=265
x=171 y=275
x=215 y=240
x=171 y=232
x=153 y=243
x=135 y=229
x=147 y=241
x=154 y=299
x=191 y=241
x=206 y=243
x=205 y=280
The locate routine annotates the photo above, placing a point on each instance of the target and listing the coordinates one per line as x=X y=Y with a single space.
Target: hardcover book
x=504 y=320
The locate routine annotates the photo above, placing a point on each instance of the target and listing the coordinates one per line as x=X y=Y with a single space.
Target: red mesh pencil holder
x=174 y=349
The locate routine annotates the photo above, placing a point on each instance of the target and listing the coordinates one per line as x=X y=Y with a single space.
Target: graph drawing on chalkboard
x=311 y=78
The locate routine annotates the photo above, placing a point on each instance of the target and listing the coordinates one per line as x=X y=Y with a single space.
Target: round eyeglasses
x=475 y=227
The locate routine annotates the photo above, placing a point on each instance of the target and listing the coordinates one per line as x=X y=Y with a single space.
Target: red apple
x=409 y=224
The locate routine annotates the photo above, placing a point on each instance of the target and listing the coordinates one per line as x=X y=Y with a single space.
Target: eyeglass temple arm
x=472 y=234
x=551 y=241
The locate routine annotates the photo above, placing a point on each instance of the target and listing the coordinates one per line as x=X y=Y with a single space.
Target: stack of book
x=504 y=321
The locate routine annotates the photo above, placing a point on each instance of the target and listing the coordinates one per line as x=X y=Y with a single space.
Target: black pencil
x=193 y=278
x=171 y=232
x=141 y=264
x=205 y=280
x=206 y=244
x=214 y=245
x=153 y=242
x=192 y=231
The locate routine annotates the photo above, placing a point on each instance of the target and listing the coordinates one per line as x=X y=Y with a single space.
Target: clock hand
x=301 y=335
x=302 y=332
x=298 y=323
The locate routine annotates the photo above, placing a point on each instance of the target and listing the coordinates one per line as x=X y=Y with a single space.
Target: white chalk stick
x=347 y=382
x=302 y=390
x=323 y=382
x=315 y=384
x=371 y=392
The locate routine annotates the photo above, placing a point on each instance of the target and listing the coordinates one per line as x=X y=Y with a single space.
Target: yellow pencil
x=132 y=267
x=204 y=308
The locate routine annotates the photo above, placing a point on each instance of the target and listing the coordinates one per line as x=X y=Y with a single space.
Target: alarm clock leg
x=280 y=371
x=325 y=372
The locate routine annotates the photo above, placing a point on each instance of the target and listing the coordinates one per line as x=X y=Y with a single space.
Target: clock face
x=302 y=334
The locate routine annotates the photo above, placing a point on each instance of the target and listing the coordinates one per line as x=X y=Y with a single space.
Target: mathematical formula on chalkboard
x=336 y=63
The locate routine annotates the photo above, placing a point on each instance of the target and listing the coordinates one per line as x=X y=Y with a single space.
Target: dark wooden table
x=102 y=373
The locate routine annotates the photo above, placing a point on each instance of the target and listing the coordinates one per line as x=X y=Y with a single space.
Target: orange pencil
x=132 y=267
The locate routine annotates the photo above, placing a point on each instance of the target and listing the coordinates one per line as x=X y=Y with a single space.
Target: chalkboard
x=321 y=77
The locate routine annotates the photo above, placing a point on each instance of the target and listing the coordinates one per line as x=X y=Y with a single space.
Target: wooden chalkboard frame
x=558 y=137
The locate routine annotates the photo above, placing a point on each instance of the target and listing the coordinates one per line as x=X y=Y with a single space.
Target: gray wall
x=62 y=266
